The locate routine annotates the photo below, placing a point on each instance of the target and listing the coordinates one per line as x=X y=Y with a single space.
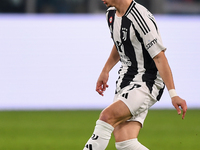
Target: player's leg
x=110 y=117
x=138 y=100
x=127 y=130
x=126 y=136
x=116 y=113
x=129 y=104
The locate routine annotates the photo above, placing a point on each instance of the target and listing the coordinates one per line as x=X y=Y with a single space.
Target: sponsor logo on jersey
x=125 y=60
x=150 y=44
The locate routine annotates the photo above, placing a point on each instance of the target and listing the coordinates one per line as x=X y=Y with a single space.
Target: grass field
x=69 y=130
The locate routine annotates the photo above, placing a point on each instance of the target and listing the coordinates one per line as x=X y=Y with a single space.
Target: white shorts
x=138 y=99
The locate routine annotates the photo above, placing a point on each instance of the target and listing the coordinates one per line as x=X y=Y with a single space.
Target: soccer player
x=143 y=74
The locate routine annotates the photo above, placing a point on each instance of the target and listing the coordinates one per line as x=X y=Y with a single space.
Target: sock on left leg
x=100 y=137
x=132 y=144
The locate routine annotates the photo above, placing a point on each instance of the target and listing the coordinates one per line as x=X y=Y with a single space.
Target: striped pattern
x=140 y=21
x=131 y=33
x=138 y=18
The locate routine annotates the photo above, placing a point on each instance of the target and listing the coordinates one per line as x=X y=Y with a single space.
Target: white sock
x=132 y=144
x=100 y=137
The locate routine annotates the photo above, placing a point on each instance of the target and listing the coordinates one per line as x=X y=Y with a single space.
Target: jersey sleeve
x=146 y=25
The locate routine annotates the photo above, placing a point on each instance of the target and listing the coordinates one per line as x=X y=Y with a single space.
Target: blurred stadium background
x=52 y=49
x=95 y=6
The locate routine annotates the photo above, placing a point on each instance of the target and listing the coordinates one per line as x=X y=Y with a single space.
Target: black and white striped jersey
x=137 y=39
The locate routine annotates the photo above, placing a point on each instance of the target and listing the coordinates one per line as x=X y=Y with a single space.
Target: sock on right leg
x=100 y=137
x=131 y=144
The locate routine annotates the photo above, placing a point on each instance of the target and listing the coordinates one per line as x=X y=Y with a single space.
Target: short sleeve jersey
x=138 y=41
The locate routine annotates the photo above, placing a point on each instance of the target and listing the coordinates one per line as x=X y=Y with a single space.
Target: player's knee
x=107 y=117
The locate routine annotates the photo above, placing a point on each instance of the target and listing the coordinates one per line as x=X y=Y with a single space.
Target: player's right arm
x=166 y=74
x=113 y=59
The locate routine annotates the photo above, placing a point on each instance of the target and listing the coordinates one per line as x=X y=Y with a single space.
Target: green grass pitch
x=69 y=130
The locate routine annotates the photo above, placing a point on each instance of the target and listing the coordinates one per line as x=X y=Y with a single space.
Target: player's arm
x=113 y=59
x=166 y=74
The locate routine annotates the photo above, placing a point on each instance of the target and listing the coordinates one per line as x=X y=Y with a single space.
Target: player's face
x=108 y=3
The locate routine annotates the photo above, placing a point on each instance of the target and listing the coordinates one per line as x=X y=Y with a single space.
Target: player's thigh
x=137 y=98
x=116 y=113
x=127 y=130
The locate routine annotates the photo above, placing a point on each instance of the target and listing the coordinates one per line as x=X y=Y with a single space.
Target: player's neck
x=122 y=6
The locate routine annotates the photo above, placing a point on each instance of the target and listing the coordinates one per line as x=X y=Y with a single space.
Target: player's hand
x=101 y=84
x=179 y=102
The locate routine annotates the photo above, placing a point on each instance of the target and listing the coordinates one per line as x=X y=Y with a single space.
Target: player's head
x=115 y=3
x=109 y=3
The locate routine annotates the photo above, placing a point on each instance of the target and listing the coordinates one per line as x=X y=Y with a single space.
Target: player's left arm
x=166 y=74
